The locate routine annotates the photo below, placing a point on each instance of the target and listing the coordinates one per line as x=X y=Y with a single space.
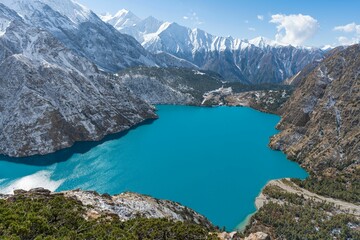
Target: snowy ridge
x=76 y=12
x=122 y=19
x=258 y=60
x=149 y=31
x=79 y=29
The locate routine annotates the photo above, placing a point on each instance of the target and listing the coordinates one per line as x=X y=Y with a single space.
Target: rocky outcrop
x=125 y=206
x=50 y=97
x=132 y=205
x=269 y=101
x=258 y=236
x=320 y=123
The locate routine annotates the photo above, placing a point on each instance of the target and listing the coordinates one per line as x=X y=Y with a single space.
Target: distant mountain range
x=249 y=61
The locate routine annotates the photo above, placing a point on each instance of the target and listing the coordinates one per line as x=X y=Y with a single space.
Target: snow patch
x=4 y=24
x=199 y=73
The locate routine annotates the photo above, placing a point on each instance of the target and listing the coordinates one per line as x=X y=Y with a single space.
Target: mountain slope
x=320 y=130
x=170 y=85
x=320 y=123
x=50 y=97
x=249 y=61
x=81 y=30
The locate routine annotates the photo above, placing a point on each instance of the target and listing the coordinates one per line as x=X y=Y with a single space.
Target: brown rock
x=19 y=192
x=40 y=191
x=320 y=122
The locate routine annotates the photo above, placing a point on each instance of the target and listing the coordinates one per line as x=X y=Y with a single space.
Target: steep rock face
x=51 y=97
x=171 y=85
x=255 y=65
x=320 y=123
x=79 y=29
x=249 y=61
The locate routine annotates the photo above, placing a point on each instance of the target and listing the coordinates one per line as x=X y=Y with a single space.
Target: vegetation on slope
x=57 y=217
x=345 y=187
x=294 y=217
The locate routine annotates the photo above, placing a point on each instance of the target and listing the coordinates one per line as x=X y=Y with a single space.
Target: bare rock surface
x=320 y=123
x=50 y=97
x=131 y=205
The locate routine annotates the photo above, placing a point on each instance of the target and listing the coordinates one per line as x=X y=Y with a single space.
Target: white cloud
x=294 y=29
x=349 y=28
x=348 y=41
x=193 y=18
x=260 y=17
x=353 y=34
x=252 y=29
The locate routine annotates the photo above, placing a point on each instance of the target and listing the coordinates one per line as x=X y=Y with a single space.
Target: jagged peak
x=122 y=12
x=122 y=19
x=166 y=25
x=262 y=42
x=76 y=12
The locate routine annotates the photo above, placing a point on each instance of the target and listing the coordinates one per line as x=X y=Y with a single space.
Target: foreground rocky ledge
x=89 y=215
x=126 y=206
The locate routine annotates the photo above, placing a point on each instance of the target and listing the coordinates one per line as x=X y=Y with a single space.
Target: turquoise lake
x=213 y=160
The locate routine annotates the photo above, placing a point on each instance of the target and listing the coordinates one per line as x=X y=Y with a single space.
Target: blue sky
x=303 y=22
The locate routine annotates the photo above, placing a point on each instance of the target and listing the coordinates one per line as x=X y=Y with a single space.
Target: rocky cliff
x=320 y=123
x=50 y=97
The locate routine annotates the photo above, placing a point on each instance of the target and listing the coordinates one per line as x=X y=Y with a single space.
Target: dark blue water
x=214 y=160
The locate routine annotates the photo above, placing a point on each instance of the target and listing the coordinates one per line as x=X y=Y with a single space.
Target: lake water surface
x=214 y=160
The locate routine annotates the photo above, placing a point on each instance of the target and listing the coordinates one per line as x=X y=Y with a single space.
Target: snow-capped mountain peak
x=122 y=19
x=250 y=61
x=263 y=42
x=82 y=31
x=121 y=13
x=76 y=12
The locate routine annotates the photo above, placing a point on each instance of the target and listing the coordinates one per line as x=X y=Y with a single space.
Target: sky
x=297 y=22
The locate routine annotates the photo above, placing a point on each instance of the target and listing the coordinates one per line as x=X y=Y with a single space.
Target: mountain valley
x=68 y=75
